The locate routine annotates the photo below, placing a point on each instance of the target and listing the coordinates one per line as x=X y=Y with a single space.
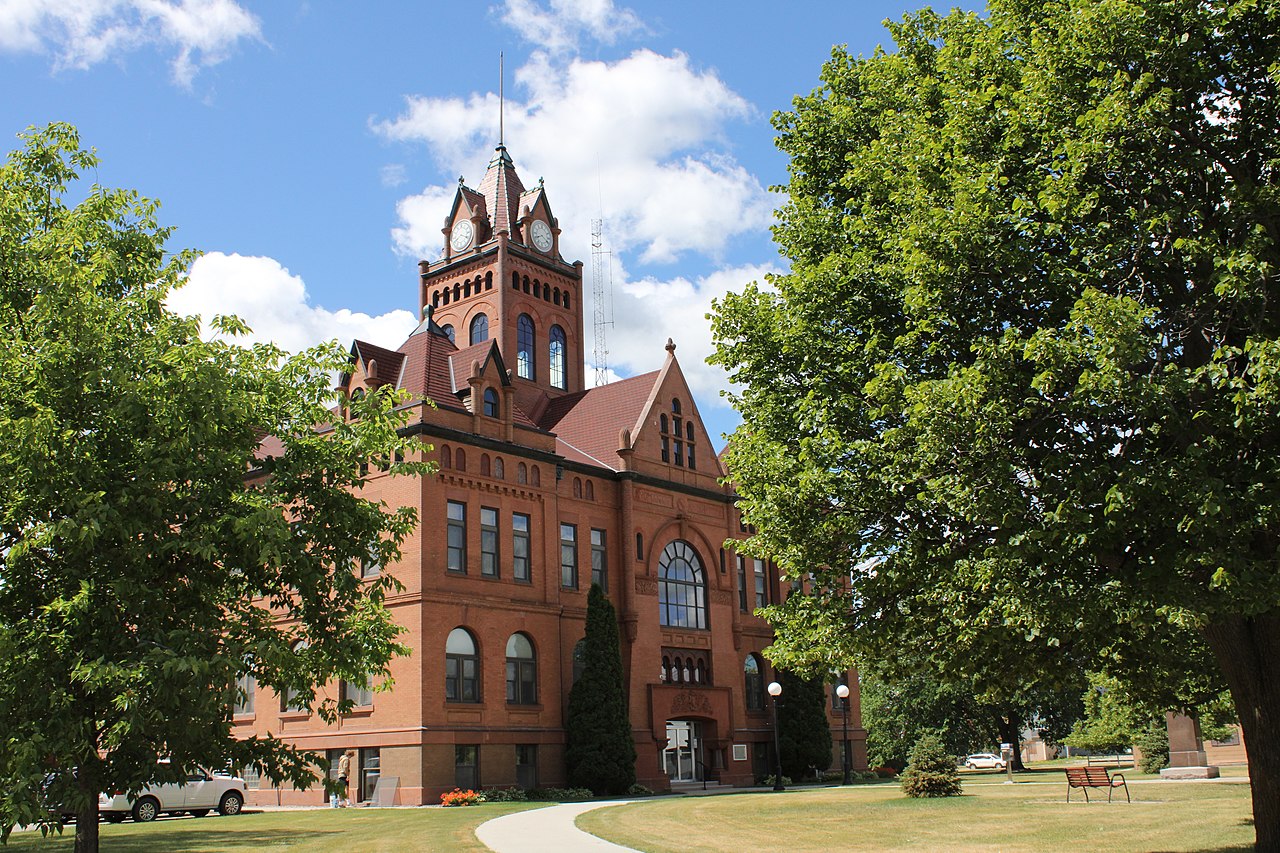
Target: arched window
x=461 y=667
x=566 y=300
x=666 y=669
x=555 y=296
x=448 y=332
x=522 y=473
x=589 y=492
x=515 y=281
x=522 y=671
x=460 y=459
x=662 y=423
x=499 y=470
x=579 y=659
x=488 y=281
x=555 y=353
x=479 y=329
x=490 y=403
x=484 y=464
x=537 y=288
x=577 y=487
x=675 y=407
x=457 y=292
x=753 y=684
x=536 y=474
x=446 y=456
x=682 y=592
x=524 y=347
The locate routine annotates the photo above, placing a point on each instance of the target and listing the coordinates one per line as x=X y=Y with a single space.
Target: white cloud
x=557 y=27
x=274 y=303
x=642 y=140
x=655 y=310
x=82 y=33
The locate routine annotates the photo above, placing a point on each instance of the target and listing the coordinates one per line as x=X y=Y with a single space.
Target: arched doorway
x=683 y=755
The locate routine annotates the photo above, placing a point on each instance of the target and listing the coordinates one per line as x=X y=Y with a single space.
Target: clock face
x=541 y=236
x=461 y=237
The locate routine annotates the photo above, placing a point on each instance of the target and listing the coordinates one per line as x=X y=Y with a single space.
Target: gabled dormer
x=482 y=383
x=467 y=225
x=669 y=437
x=537 y=228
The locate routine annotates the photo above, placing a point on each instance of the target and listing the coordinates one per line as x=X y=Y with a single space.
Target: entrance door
x=683 y=755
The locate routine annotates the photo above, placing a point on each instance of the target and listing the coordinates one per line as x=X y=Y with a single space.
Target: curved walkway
x=548 y=830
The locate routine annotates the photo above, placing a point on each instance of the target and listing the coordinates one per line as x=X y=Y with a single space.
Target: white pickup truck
x=199 y=795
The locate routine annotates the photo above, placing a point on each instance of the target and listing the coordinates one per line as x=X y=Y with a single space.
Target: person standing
x=344 y=777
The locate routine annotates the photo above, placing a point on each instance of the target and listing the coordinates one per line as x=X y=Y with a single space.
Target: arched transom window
x=522 y=671
x=555 y=354
x=682 y=590
x=479 y=329
x=461 y=667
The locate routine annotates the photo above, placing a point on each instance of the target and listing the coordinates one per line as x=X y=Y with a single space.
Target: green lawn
x=320 y=830
x=1032 y=816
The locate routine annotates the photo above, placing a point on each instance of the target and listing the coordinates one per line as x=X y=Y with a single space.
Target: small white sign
x=739 y=752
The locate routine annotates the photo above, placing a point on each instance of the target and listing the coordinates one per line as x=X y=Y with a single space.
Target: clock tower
x=502 y=278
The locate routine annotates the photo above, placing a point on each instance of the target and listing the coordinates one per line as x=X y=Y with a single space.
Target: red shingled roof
x=388 y=361
x=502 y=189
x=587 y=423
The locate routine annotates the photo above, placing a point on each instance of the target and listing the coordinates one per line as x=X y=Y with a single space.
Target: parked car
x=984 y=761
x=200 y=794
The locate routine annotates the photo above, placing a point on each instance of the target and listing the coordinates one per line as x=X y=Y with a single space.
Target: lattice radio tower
x=602 y=286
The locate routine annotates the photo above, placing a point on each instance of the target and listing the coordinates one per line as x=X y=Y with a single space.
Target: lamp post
x=775 y=690
x=843 y=692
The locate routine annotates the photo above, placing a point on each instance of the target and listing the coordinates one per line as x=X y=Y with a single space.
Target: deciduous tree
x=151 y=553
x=1025 y=362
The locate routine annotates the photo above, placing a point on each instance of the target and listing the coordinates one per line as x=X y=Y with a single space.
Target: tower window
x=566 y=299
x=524 y=347
x=555 y=296
x=515 y=281
x=490 y=403
x=479 y=329
x=556 y=357
x=448 y=331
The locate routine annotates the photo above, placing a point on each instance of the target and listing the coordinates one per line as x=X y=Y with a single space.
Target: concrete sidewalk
x=548 y=830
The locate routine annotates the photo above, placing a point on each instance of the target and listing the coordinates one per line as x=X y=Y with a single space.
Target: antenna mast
x=501 y=101
x=602 y=284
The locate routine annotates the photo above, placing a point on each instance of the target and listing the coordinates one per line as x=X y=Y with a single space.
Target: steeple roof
x=501 y=188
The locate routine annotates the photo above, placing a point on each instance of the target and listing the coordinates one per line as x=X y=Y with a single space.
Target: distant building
x=545 y=487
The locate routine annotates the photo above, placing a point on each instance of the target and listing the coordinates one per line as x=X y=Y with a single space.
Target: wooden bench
x=1095 y=777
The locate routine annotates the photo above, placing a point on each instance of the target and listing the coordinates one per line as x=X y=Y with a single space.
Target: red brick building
x=544 y=487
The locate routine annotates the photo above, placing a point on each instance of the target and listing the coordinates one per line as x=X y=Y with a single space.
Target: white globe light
x=843 y=691
x=775 y=689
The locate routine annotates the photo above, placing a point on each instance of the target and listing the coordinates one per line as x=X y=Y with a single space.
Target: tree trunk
x=1011 y=733
x=1248 y=651
x=87 y=815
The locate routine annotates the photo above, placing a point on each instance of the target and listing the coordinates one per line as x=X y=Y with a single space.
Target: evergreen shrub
x=931 y=770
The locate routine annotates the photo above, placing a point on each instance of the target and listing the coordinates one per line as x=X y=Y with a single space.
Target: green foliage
x=931 y=770
x=560 y=795
x=1113 y=721
x=897 y=713
x=505 y=795
x=1018 y=397
x=137 y=568
x=804 y=733
x=600 y=753
x=1153 y=743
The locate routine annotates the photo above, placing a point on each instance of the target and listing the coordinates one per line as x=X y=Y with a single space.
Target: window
x=291 y=701
x=488 y=542
x=522 y=671
x=681 y=589
x=579 y=659
x=499 y=470
x=479 y=329
x=527 y=765
x=535 y=477
x=457 y=536
x=679 y=452
x=589 y=491
x=762 y=583
x=520 y=547
x=753 y=684
x=360 y=693
x=675 y=409
x=466 y=767
x=569 y=556
x=662 y=424
x=461 y=667
x=490 y=403
x=448 y=332
x=742 y=584
x=524 y=347
x=556 y=358
x=446 y=456
x=370 y=772
x=599 y=560
x=370 y=567
x=639 y=546
x=577 y=487
x=666 y=449
x=522 y=473
x=484 y=464
x=460 y=459
x=246 y=687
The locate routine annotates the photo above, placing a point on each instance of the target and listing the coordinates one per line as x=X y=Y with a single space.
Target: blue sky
x=310 y=148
